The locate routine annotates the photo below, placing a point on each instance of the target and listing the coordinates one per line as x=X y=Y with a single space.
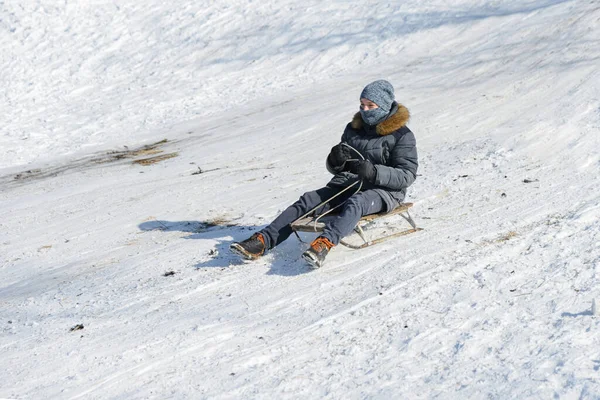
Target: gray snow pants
x=354 y=207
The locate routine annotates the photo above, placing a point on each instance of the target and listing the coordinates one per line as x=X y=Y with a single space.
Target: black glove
x=364 y=169
x=338 y=155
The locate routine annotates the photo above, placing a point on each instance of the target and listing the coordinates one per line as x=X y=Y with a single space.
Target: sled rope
x=357 y=190
x=339 y=193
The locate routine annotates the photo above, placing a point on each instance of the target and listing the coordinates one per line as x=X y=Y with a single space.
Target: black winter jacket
x=391 y=147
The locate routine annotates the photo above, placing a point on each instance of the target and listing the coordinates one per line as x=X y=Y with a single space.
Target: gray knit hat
x=380 y=92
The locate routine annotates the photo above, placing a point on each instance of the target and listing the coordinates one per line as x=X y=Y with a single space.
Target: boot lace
x=321 y=243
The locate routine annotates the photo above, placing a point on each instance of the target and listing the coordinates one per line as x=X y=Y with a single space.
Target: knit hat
x=380 y=92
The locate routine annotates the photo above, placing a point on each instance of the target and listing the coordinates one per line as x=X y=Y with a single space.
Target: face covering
x=374 y=116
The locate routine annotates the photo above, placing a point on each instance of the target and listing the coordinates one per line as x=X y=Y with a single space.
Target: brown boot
x=318 y=250
x=251 y=248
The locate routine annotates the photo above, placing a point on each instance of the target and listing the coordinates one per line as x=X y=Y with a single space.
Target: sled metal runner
x=312 y=224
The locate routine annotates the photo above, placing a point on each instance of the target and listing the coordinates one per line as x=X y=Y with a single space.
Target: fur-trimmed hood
x=390 y=125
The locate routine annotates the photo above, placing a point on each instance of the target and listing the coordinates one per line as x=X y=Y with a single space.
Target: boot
x=316 y=253
x=251 y=248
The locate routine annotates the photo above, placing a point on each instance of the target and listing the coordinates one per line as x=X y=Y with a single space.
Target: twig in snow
x=204 y=171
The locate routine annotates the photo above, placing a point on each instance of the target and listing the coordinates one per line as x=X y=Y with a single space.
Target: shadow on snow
x=285 y=260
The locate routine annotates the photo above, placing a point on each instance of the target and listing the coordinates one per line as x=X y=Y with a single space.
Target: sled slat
x=307 y=224
x=400 y=209
x=379 y=240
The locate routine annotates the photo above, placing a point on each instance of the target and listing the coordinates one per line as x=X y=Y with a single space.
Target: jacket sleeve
x=401 y=169
x=329 y=167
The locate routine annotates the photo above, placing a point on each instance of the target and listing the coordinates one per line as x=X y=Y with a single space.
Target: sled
x=313 y=224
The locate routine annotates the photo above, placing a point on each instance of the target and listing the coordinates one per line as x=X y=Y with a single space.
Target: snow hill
x=115 y=279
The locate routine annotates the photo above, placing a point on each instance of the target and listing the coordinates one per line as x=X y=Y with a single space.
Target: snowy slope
x=492 y=300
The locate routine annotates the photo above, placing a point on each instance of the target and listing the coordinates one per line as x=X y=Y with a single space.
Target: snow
x=493 y=299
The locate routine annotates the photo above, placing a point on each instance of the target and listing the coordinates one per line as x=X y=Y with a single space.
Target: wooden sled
x=309 y=224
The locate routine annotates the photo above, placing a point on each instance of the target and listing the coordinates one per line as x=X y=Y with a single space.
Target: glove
x=365 y=170
x=338 y=156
